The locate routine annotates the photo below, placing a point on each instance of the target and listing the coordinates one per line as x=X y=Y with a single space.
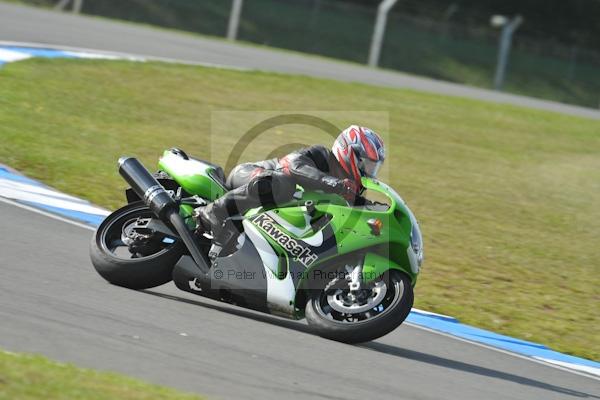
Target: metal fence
x=435 y=47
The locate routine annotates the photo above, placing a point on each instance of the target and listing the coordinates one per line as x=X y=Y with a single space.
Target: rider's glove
x=348 y=189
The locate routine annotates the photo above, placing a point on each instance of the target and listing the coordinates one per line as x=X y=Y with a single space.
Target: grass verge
x=26 y=377
x=507 y=197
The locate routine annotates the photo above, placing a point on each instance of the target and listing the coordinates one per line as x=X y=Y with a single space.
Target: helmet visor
x=369 y=168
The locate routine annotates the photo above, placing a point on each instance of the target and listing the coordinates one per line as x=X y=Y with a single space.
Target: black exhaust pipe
x=160 y=203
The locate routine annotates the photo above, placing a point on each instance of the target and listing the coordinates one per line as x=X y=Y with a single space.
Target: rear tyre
x=324 y=311
x=146 y=264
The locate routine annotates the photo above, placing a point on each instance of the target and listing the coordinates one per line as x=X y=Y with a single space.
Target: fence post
x=61 y=5
x=379 y=31
x=508 y=28
x=77 y=5
x=234 y=19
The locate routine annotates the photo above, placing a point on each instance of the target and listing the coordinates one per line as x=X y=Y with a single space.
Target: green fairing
x=194 y=176
x=293 y=215
x=388 y=250
x=375 y=265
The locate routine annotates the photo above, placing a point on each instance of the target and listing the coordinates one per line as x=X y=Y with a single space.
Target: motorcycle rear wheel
x=363 y=326
x=114 y=261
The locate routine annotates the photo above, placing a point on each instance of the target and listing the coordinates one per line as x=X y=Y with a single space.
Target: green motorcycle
x=349 y=270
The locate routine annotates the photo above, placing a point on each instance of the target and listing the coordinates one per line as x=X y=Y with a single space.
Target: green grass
x=507 y=197
x=29 y=377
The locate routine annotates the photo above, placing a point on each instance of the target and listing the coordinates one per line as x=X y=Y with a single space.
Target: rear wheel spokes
x=129 y=238
x=120 y=249
x=113 y=244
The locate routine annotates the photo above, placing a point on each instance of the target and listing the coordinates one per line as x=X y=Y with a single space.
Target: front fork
x=352 y=280
x=355 y=277
x=355 y=283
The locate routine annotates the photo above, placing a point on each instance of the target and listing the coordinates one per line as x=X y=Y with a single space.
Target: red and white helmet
x=359 y=151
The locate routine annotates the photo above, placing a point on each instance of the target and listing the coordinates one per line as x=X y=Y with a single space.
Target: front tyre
x=340 y=316
x=126 y=255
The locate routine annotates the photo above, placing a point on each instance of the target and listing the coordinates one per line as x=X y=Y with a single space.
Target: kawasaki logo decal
x=301 y=253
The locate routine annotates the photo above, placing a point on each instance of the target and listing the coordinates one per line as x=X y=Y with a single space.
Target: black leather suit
x=273 y=182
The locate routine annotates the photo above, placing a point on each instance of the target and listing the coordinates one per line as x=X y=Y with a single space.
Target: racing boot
x=222 y=228
x=207 y=219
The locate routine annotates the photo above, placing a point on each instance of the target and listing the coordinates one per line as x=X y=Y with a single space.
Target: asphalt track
x=28 y=24
x=52 y=302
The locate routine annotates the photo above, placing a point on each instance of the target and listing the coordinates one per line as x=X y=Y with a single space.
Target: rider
x=357 y=152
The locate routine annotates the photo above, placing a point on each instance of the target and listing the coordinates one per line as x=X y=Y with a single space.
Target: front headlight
x=416 y=241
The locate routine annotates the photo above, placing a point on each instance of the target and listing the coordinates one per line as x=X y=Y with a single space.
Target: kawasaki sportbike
x=349 y=270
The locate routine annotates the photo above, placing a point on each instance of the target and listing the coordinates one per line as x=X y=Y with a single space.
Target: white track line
x=124 y=56
x=47 y=214
x=547 y=364
x=507 y=352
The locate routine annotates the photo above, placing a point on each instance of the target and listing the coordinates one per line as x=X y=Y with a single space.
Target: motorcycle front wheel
x=361 y=317
x=135 y=260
